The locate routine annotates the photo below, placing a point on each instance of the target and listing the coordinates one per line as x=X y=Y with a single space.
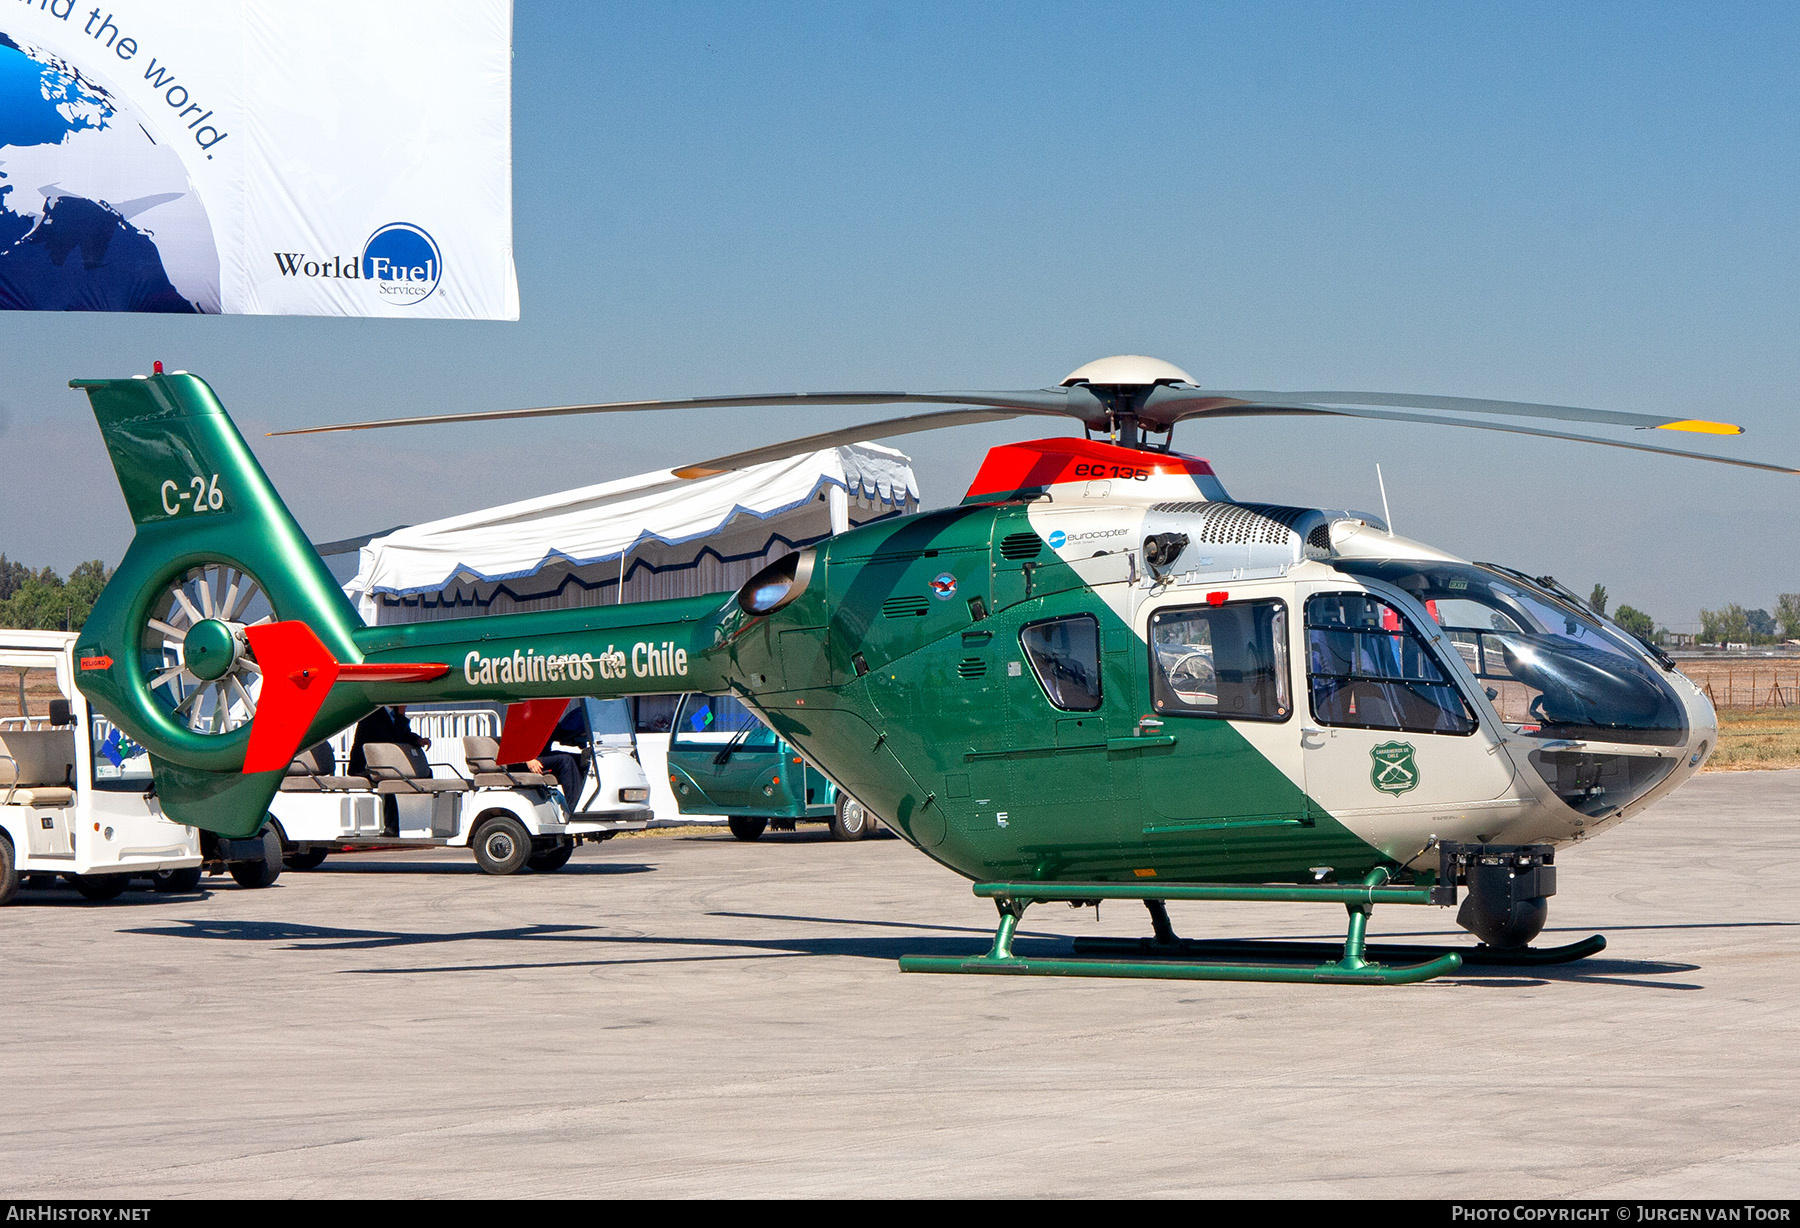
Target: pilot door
x=1217 y=744
x=1386 y=726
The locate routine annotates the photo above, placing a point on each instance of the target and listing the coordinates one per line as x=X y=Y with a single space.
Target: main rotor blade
x=1170 y=404
x=909 y=425
x=1037 y=401
x=1381 y=415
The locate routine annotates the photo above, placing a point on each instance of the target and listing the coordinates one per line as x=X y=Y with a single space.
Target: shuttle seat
x=314 y=771
x=37 y=767
x=482 y=754
x=404 y=769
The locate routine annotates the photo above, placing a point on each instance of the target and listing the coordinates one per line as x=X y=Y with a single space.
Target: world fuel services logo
x=400 y=262
x=403 y=263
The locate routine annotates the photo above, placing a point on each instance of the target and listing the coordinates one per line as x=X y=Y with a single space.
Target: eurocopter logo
x=1393 y=770
x=401 y=261
x=1059 y=539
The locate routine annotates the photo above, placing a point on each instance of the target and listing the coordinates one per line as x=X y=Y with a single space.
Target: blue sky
x=1589 y=204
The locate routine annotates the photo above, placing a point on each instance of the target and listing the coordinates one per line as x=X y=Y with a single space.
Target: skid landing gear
x=1166 y=945
x=1166 y=956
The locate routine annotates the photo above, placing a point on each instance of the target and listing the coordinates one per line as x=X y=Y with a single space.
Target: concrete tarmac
x=692 y=1015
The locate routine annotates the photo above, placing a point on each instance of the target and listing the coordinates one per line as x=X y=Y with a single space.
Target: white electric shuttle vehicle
x=76 y=799
x=454 y=795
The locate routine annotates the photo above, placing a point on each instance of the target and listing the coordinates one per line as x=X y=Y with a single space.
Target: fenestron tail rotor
x=168 y=651
x=197 y=660
x=1129 y=398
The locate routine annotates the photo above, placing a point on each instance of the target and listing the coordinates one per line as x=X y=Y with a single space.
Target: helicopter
x=1097 y=677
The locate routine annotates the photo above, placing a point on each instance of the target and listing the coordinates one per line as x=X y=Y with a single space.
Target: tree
x=1762 y=625
x=84 y=585
x=1787 y=613
x=12 y=575
x=39 y=600
x=1597 y=600
x=1730 y=625
x=1635 y=621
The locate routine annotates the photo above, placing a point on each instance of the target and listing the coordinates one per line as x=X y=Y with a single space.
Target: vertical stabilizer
x=165 y=654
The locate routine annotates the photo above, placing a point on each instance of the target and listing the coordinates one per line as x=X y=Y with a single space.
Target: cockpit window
x=1551 y=670
x=1226 y=660
x=1371 y=670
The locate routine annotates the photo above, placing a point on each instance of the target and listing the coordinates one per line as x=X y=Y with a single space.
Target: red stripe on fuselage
x=1016 y=467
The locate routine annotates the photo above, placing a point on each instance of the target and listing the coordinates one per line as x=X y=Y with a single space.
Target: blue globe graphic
x=95 y=213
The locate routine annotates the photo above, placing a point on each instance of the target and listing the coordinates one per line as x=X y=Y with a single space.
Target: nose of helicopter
x=1675 y=764
x=1703 y=726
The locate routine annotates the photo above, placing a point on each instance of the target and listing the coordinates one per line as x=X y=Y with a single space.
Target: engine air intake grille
x=905 y=607
x=1020 y=546
x=1233 y=524
x=1320 y=538
x=971 y=667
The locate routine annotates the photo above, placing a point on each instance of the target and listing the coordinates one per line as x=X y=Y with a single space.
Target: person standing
x=386 y=724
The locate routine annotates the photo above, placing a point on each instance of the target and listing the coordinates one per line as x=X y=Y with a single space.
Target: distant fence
x=1747 y=685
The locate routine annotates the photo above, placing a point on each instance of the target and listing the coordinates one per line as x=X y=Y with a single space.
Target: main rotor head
x=1127 y=371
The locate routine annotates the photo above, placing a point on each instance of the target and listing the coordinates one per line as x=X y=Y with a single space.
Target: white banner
x=257 y=157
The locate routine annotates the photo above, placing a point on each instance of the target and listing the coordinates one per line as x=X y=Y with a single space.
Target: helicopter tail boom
x=222 y=645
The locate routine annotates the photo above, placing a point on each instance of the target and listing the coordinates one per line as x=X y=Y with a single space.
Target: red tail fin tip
x=292 y=660
x=528 y=728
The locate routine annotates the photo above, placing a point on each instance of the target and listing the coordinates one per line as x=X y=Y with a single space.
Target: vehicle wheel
x=851 y=820
x=264 y=870
x=502 y=846
x=305 y=859
x=97 y=888
x=173 y=882
x=553 y=858
x=9 y=872
x=747 y=829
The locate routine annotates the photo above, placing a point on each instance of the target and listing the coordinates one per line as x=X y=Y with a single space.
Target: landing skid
x=1169 y=957
x=1385 y=952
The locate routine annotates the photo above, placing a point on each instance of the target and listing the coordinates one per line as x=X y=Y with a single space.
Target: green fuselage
x=918 y=703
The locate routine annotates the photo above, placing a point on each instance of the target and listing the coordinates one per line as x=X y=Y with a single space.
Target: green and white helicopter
x=1098 y=677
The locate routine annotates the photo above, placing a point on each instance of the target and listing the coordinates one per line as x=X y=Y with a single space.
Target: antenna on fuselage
x=1385 y=514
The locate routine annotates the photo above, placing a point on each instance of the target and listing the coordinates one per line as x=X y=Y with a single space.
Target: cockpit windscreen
x=1550 y=668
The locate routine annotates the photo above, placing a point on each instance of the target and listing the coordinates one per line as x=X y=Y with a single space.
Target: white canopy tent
x=636 y=539
x=639 y=538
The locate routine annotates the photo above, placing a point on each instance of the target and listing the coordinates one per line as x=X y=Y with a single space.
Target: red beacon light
x=156 y=367
x=1217 y=598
